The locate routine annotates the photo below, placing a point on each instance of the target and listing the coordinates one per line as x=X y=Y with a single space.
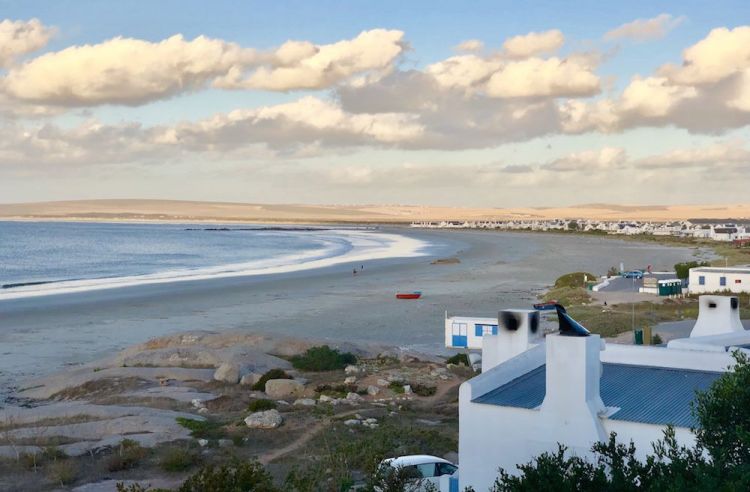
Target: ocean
x=44 y=258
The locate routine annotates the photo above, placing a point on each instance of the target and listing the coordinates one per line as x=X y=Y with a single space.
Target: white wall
x=713 y=283
x=473 y=341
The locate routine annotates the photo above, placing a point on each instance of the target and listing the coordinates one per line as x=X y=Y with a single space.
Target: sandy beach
x=496 y=270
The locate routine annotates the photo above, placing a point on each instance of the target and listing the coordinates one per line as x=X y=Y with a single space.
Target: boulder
x=373 y=390
x=407 y=389
x=326 y=398
x=354 y=397
x=284 y=388
x=250 y=379
x=350 y=380
x=383 y=382
x=352 y=422
x=228 y=373
x=350 y=369
x=270 y=419
x=304 y=402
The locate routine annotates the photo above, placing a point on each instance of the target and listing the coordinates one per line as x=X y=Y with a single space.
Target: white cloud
x=721 y=54
x=653 y=96
x=731 y=153
x=302 y=65
x=589 y=160
x=123 y=71
x=645 y=29
x=470 y=45
x=18 y=38
x=536 y=77
x=534 y=43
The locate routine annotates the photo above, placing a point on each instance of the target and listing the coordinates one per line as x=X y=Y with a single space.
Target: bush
x=423 y=390
x=128 y=455
x=683 y=269
x=202 y=429
x=458 y=359
x=656 y=340
x=63 y=472
x=261 y=405
x=337 y=390
x=396 y=387
x=177 y=460
x=234 y=477
x=272 y=374
x=322 y=358
x=575 y=279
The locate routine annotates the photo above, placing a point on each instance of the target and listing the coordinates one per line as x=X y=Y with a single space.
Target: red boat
x=408 y=295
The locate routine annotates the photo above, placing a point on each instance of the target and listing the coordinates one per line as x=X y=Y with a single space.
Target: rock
x=353 y=397
x=371 y=421
x=301 y=380
x=325 y=398
x=358 y=416
x=373 y=390
x=350 y=369
x=203 y=442
x=198 y=403
x=350 y=380
x=203 y=410
x=283 y=403
x=352 y=422
x=228 y=373
x=304 y=402
x=270 y=419
x=250 y=379
x=407 y=389
x=284 y=388
x=396 y=378
x=225 y=443
x=383 y=382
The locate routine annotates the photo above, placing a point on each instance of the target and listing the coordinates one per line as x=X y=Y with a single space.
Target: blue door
x=460 y=338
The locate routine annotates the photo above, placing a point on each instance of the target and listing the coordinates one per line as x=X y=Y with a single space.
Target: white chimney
x=717 y=315
x=518 y=331
x=572 y=402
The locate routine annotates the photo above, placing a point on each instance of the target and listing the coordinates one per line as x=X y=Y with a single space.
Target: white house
x=715 y=279
x=467 y=332
x=572 y=388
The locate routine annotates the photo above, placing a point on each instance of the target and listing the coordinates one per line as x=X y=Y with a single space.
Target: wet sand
x=496 y=270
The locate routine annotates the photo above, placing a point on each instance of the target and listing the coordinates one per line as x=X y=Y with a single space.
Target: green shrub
x=127 y=456
x=396 y=387
x=322 y=358
x=234 y=477
x=261 y=405
x=63 y=472
x=423 y=390
x=272 y=374
x=177 y=459
x=656 y=340
x=458 y=359
x=683 y=269
x=575 y=279
x=337 y=390
x=202 y=429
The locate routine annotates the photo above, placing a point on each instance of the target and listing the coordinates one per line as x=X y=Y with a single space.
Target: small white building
x=465 y=332
x=576 y=390
x=715 y=279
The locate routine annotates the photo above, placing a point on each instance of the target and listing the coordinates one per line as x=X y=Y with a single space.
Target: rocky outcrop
x=284 y=388
x=270 y=419
x=228 y=373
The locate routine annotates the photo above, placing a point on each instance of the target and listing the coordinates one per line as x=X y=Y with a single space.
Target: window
x=445 y=469
x=701 y=280
x=459 y=329
x=481 y=330
x=426 y=470
x=722 y=281
x=737 y=281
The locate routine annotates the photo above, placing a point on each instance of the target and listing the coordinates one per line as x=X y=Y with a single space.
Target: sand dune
x=176 y=210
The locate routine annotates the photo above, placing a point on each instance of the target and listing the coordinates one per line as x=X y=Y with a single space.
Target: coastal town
x=734 y=231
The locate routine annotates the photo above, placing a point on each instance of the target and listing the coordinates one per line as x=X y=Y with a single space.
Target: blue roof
x=651 y=395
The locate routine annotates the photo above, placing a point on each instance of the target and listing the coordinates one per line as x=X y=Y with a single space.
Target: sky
x=477 y=104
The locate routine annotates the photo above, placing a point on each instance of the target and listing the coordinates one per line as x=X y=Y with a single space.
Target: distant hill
x=177 y=210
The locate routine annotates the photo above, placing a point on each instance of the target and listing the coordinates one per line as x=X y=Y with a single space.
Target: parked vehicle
x=422 y=467
x=633 y=274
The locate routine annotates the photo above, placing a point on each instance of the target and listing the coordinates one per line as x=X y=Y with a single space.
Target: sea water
x=43 y=258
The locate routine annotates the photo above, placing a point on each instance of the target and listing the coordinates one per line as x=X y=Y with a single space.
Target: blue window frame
x=701 y=280
x=481 y=330
x=723 y=281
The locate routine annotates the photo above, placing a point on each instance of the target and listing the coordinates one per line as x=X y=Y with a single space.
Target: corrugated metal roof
x=651 y=395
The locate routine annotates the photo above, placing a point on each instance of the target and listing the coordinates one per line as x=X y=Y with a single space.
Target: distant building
x=715 y=279
x=535 y=392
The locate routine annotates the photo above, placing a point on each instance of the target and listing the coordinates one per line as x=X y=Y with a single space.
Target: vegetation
x=202 y=429
x=396 y=387
x=656 y=339
x=724 y=431
x=128 y=455
x=683 y=269
x=423 y=390
x=237 y=476
x=261 y=405
x=574 y=280
x=338 y=390
x=272 y=374
x=63 y=472
x=177 y=459
x=322 y=358
x=458 y=359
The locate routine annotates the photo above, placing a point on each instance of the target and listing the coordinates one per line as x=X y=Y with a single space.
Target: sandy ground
x=496 y=271
x=217 y=211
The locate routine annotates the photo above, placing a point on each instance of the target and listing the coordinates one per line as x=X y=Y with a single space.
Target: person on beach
x=354 y=272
